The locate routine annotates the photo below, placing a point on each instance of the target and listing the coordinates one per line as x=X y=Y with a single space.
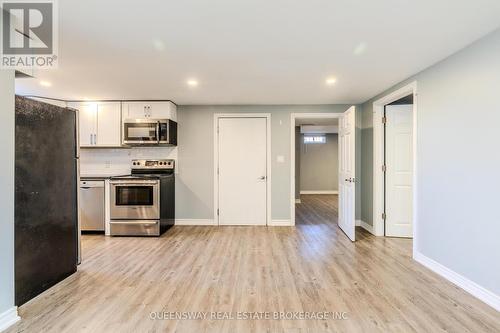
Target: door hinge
x=384 y=168
x=384 y=216
x=217 y=211
x=384 y=120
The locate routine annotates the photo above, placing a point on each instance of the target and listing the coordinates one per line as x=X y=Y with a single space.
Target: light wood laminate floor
x=308 y=268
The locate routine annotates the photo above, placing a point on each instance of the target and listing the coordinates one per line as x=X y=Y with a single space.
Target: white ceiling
x=254 y=51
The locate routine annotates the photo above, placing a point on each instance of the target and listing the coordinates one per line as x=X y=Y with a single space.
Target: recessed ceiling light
x=331 y=81
x=360 y=49
x=45 y=83
x=159 y=45
x=192 y=83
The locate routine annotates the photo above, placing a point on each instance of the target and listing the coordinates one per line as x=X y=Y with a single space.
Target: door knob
x=262 y=177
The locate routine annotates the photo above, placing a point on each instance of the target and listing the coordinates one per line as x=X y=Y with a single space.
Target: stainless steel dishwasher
x=92 y=205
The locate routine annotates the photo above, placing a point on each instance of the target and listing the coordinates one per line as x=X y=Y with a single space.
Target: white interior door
x=347 y=186
x=242 y=165
x=399 y=170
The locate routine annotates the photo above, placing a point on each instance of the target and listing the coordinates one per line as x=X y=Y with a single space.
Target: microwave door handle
x=158 y=132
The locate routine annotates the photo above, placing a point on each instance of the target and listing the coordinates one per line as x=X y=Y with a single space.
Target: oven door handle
x=126 y=183
x=134 y=222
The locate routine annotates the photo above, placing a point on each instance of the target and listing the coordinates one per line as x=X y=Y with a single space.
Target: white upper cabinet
x=87 y=120
x=109 y=124
x=99 y=123
x=145 y=110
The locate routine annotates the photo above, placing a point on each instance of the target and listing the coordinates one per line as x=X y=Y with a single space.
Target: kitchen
x=115 y=139
x=124 y=155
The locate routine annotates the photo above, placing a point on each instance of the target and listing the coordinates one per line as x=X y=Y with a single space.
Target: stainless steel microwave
x=149 y=132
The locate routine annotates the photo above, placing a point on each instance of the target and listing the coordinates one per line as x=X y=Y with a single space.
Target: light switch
x=280 y=159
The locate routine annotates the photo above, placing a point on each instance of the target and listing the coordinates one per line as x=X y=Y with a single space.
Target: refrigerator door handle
x=78 y=215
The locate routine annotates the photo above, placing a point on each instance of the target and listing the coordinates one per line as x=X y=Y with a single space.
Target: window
x=315 y=139
x=134 y=195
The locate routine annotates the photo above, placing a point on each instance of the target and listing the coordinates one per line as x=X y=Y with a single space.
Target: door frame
x=218 y=116
x=293 y=117
x=378 y=159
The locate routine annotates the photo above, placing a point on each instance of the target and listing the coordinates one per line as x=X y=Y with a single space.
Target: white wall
x=7 y=133
x=458 y=162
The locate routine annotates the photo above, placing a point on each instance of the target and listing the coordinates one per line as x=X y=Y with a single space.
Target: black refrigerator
x=46 y=197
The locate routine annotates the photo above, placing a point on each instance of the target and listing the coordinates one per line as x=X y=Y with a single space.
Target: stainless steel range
x=143 y=203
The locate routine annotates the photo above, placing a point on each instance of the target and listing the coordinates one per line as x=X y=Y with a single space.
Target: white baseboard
x=195 y=222
x=469 y=286
x=280 y=223
x=275 y=223
x=319 y=192
x=297 y=201
x=8 y=318
x=366 y=226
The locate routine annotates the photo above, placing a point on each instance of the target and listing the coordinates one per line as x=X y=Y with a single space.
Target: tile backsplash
x=106 y=161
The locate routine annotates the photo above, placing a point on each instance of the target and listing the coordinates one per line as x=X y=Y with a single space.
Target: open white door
x=399 y=170
x=347 y=186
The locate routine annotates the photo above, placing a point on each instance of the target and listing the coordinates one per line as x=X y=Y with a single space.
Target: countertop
x=101 y=175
